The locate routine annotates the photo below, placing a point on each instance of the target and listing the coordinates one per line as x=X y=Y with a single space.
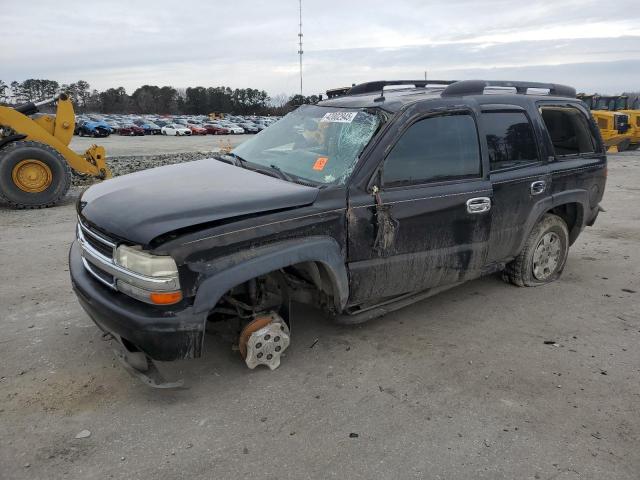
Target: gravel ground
x=462 y=385
x=117 y=145
x=129 y=164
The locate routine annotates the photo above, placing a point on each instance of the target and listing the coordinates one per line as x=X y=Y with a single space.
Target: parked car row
x=173 y=125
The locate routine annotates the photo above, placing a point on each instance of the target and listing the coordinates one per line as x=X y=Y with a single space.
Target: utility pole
x=300 y=52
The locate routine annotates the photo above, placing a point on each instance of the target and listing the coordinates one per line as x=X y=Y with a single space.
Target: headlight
x=144 y=263
x=153 y=278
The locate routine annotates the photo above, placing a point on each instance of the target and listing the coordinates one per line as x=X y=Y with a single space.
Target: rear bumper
x=162 y=333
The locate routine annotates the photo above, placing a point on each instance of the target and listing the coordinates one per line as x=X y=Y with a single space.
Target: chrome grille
x=99 y=243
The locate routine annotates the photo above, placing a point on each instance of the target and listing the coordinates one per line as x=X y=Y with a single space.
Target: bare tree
x=3 y=91
x=279 y=100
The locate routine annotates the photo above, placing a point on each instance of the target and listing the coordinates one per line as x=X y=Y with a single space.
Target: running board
x=396 y=303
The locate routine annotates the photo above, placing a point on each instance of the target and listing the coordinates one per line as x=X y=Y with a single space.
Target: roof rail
x=378 y=85
x=476 y=87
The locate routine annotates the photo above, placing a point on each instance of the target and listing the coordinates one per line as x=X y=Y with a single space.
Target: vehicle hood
x=141 y=206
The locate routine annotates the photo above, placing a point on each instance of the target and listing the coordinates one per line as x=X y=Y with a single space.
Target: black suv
x=360 y=205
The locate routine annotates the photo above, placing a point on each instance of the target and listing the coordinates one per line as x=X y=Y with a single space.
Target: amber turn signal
x=165 y=298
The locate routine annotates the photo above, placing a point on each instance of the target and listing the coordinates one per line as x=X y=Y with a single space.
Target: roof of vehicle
x=373 y=94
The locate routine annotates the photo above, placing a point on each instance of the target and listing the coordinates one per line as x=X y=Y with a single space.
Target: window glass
x=569 y=130
x=314 y=143
x=510 y=139
x=436 y=148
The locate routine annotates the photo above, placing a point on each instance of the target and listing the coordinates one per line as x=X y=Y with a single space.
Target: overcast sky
x=591 y=45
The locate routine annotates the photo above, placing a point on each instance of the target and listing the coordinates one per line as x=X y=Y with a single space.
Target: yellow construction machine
x=630 y=107
x=35 y=159
x=614 y=126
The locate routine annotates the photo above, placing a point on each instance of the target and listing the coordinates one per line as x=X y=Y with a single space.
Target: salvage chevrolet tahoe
x=359 y=205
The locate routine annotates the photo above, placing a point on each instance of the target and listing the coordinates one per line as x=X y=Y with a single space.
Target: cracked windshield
x=316 y=144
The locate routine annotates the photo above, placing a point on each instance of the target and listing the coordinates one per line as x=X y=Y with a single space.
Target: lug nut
x=267 y=336
x=276 y=339
x=278 y=348
x=269 y=357
x=258 y=345
x=259 y=355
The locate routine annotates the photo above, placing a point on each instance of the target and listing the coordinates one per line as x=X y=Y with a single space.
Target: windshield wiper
x=282 y=174
x=237 y=160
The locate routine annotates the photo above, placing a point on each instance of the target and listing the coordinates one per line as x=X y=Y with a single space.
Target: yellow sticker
x=320 y=163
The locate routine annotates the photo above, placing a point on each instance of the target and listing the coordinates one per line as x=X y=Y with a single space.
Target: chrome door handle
x=478 y=205
x=538 y=187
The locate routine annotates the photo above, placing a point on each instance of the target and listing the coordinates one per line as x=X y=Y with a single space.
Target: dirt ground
x=462 y=385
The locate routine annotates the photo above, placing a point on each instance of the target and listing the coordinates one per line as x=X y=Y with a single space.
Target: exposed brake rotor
x=263 y=341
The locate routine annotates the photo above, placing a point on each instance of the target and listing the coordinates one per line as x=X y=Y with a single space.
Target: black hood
x=141 y=206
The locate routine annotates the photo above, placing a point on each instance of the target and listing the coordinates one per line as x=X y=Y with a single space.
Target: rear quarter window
x=569 y=130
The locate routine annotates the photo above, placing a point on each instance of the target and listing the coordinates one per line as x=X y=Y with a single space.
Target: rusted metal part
x=249 y=329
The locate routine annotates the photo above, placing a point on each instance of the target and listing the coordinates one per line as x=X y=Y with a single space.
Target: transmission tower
x=300 y=52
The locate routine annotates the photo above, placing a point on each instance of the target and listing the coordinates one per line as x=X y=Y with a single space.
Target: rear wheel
x=32 y=175
x=544 y=255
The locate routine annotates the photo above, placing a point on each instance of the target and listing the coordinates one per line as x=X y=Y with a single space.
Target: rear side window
x=510 y=139
x=435 y=148
x=569 y=130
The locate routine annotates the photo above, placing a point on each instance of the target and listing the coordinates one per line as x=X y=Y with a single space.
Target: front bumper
x=162 y=333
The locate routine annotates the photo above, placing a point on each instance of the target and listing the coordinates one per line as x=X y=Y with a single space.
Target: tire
x=13 y=154
x=544 y=255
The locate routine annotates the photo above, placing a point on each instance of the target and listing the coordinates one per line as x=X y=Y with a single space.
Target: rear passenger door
x=429 y=223
x=519 y=176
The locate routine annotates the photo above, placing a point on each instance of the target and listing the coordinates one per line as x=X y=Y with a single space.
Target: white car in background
x=175 y=129
x=232 y=127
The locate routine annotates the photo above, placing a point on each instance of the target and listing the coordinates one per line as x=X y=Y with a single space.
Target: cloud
x=250 y=43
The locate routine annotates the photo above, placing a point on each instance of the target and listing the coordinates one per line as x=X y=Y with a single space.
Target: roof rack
x=477 y=87
x=378 y=85
x=337 y=92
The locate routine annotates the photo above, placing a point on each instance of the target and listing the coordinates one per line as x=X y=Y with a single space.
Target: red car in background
x=215 y=129
x=196 y=129
x=131 y=130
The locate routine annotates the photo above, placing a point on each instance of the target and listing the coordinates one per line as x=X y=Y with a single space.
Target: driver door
x=428 y=225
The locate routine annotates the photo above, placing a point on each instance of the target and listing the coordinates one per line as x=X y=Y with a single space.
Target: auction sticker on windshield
x=339 y=117
x=320 y=163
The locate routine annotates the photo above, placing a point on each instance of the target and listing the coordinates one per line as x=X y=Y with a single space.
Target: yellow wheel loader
x=35 y=159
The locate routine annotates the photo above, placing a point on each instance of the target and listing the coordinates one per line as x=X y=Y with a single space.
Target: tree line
x=154 y=99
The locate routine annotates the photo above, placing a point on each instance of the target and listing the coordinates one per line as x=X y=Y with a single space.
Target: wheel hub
x=32 y=176
x=263 y=341
x=547 y=256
